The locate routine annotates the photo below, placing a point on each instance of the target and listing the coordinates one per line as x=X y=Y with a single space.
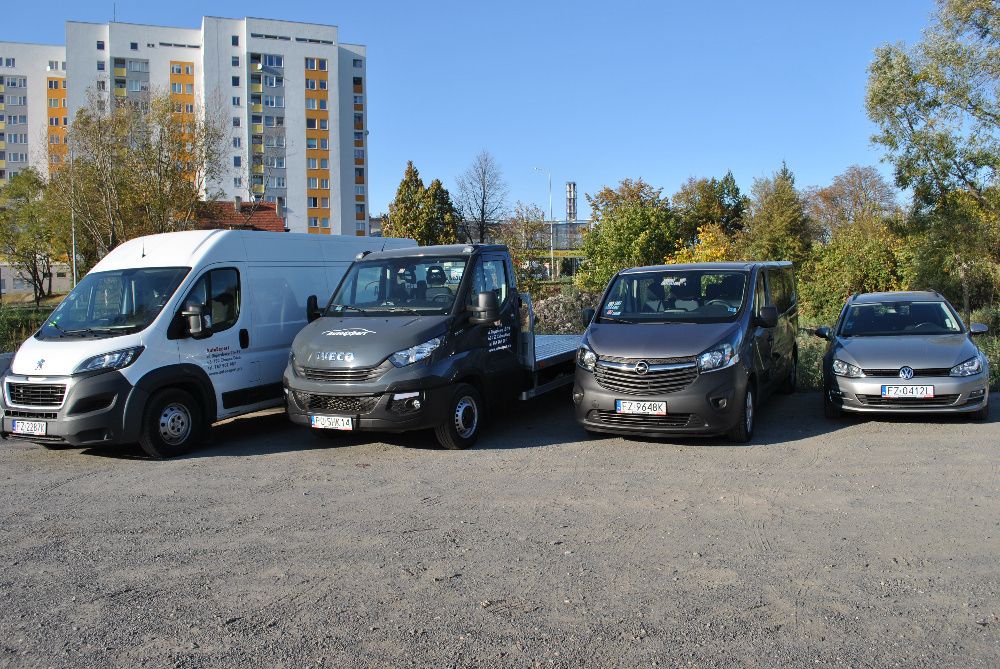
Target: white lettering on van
x=354 y=332
x=331 y=356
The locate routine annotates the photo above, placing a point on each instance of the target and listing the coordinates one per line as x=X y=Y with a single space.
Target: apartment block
x=291 y=96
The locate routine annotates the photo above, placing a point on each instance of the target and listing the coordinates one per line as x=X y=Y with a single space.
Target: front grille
x=879 y=401
x=894 y=373
x=31 y=415
x=638 y=421
x=337 y=403
x=653 y=382
x=650 y=361
x=343 y=375
x=36 y=394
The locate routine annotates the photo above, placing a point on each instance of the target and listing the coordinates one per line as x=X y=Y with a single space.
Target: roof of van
x=437 y=251
x=897 y=296
x=194 y=247
x=741 y=266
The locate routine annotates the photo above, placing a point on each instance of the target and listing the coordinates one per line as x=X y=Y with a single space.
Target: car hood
x=918 y=351
x=656 y=340
x=364 y=341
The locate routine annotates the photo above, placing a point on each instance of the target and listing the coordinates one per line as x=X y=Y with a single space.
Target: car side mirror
x=312 y=308
x=768 y=317
x=978 y=328
x=823 y=332
x=194 y=314
x=588 y=316
x=486 y=309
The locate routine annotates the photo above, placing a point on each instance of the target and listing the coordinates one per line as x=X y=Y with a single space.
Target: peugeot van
x=688 y=349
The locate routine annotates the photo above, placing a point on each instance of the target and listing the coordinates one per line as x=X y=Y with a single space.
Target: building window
x=359 y=99
x=236 y=101
x=9 y=62
x=273 y=60
x=311 y=163
x=359 y=209
x=102 y=85
x=322 y=84
x=322 y=104
x=312 y=202
x=324 y=124
x=357 y=62
x=53 y=65
x=322 y=64
x=310 y=124
x=310 y=63
x=325 y=222
x=174 y=88
x=274 y=101
x=236 y=61
x=359 y=190
x=175 y=69
x=237 y=161
x=100 y=45
x=274 y=81
x=236 y=81
x=236 y=121
x=324 y=163
x=359 y=137
x=237 y=182
x=324 y=202
x=359 y=173
x=134 y=46
x=188 y=69
x=101 y=65
x=237 y=142
x=311 y=143
x=313 y=222
x=236 y=40
x=312 y=182
x=324 y=184
x=133 y=85
x=359 y=153
x=310 y=84
x=310 y=103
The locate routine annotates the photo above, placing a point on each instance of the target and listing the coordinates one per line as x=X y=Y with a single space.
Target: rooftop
x=224 y=215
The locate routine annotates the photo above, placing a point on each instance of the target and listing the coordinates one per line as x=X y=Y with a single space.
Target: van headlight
x=841 y=368
x=415 y=353
x=109 y=361
x=970 y=367
x=718 y=357
x=586 y=358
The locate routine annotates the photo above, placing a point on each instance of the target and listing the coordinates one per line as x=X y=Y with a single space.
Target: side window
x=793 y=294
x=219 y=292
x=759 y=294
x=489 y=274
x=779 y=290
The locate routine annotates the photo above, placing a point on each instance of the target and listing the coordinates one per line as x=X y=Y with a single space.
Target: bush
x=811 y=350
x=17 y=324
x=989 y=315
x=561 y=313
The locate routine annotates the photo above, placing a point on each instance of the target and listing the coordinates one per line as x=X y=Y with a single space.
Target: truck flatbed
x=554 y=349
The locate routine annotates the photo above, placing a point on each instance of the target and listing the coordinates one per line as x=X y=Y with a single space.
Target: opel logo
x=641 y=367
x=906 y=373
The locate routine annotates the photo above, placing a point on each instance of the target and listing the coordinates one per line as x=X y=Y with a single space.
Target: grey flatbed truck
x=423 y=338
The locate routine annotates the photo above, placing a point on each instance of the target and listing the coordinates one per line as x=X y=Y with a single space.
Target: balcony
x=2 y=125
x=3 y=145
x=258 y=169
x=1 y=88
x=258 y=128
x=120 y=92
x=3 y=164
x=258 y=148
x=119 y=71
x=256 y=88
x=259 y=108
x=258 y=189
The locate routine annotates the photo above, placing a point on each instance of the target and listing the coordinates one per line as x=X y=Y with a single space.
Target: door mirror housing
x=978 y=328
x=486 y=309
x=588 y=316
x=194 y=315
x=312 y=308
x=823 y=332
x=768 y=317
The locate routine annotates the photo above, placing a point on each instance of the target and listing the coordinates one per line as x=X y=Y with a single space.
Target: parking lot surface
x=861 y=543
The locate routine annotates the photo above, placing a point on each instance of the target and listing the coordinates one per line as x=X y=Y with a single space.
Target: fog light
x=721 y=403
x=577 y=395
x=415 y=404
x=978 y=393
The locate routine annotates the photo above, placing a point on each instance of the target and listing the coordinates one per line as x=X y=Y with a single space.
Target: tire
x=172 y=424
x=742 y=432
x=465 y=418
x=982 y=414
x=788 y=387
x=831 y=410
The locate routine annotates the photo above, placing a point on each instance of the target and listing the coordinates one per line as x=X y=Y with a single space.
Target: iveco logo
x=331 y=356
x=38 y=365
x=641 y=367
x=906 y=373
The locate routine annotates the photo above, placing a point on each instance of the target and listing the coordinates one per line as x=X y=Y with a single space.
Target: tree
x=27 y=237
x=426 y=215
x=777 y=227
x=706 y=202
x=712 y=244
x=482 y=197
x=441 y=216
x=525 y=237
x=404 y=210
x=633 y=226
x=859 y=194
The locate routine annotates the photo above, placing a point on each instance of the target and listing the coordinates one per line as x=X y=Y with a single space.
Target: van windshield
x=107 y=304
x=675 y=296
x=881 y=319
x=399 y=285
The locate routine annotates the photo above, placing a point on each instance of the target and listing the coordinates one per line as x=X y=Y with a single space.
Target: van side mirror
x=822 y=332
x=194 y=314
x=312 y=308
x=486 y=309
x=588 y=316
x=768 y=317
x=978 y=328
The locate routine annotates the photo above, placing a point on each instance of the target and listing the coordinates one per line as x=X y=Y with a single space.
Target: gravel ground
x=856 y=543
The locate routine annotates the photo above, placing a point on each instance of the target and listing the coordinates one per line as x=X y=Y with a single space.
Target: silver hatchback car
x=903 y=352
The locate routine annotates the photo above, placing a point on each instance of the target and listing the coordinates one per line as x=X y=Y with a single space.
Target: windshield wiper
x=347 y=306
x=618 y=320
x=409 y=310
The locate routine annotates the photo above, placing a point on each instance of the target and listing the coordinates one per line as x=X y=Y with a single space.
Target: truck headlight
x=415 y=353
x=970 y=367
x=586 y=358
x=841 y=368
x=718 y=357
x=108 y=361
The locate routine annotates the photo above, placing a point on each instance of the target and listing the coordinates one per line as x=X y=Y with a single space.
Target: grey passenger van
x=688 y=349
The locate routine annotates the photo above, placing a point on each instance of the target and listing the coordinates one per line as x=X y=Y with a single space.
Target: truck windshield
x=399 y=285
x=107 y=304
x=675 y=296
x=880 y=319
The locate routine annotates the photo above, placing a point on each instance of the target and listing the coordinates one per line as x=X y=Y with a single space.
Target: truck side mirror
x=486 y=309
x=768 y=317
x=588 y=316
x=194 y=315
x=312 y=308
x=978 y=329
x=822 y=332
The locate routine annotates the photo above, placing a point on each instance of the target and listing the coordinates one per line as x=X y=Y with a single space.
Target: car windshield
x=399 y=285
x=875 y=319
x=671 y=296
x=106 y=304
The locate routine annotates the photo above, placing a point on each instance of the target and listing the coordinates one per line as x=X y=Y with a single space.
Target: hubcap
x=749 y=411
x=466 y=417
x=175 y=424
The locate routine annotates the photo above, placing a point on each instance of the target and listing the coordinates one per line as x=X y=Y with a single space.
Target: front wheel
x=830 y=409
x=172 y=424
x=982 y=414
x=742 y=433
x=465 y=414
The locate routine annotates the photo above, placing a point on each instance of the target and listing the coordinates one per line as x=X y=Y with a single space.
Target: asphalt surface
x=854 y=543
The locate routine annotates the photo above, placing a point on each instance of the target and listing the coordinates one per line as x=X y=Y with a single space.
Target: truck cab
x=423 y=338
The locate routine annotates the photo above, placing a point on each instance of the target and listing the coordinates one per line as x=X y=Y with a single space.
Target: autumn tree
x=426 y=215
x=778 y=227
x=482 y=197
x=711 y=244
x=526 y=236
x=709 y=202
x=860 y=194
x=27 y=235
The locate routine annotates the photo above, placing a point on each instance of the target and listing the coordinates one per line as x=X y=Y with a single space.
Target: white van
x=170 y=333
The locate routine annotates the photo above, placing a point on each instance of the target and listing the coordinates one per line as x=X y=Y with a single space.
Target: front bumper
x=951 y=394
x=710 y=405
x=92 y=411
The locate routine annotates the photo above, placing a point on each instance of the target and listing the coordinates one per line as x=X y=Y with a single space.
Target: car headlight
x=108 y=361
x=415 y=353
x=970 y=367
x=841 y=368
x=586 y=358
x=718 y=357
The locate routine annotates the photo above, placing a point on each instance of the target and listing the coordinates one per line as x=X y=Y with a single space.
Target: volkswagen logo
x=641 y=367
x=906 y=373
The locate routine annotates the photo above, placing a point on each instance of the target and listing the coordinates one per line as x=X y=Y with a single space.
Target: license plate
x=34 y=427
x=647 y=408
x=922 y=392
x=333 y=422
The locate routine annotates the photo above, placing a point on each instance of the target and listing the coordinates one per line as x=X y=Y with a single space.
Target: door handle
x=244 y=338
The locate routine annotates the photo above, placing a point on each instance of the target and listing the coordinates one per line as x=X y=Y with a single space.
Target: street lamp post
x=72 y=211
x=552 y=229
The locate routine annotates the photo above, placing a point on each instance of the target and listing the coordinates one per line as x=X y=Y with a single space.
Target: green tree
x=633 y=226
x=441 y=218
x=778 y=227
x=404 y=210
x=27 y=235
x=709 y=202
x=426 y=215
x=526 y=236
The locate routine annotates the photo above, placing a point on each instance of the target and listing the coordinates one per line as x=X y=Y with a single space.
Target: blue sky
x=591 y=91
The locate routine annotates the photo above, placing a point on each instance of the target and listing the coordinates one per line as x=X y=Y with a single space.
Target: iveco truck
x=423 y=338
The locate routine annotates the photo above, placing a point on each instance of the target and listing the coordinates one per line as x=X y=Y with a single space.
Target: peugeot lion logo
x=641 y=367
x=906 y=373
x=38 y=365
